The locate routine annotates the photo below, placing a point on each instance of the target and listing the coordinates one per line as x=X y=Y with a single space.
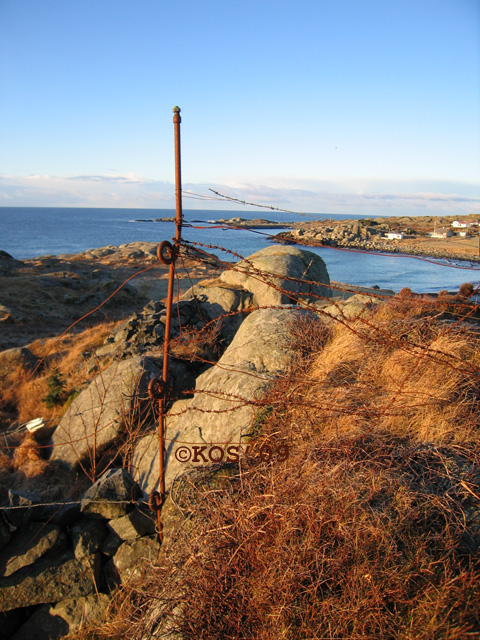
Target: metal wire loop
x=155 y=501
x=156 y=389
x=166 y=252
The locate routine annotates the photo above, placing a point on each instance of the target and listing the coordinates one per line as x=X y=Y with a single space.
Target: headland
x=449 y=237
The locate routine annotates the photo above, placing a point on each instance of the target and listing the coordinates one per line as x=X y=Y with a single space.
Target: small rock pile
x=348 y=234
x=59 y=562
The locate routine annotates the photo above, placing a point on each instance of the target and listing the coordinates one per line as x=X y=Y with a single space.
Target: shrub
x=466 y=290
x=56 y=390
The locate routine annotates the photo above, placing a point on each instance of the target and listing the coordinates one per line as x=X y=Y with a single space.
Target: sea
x=28 y=232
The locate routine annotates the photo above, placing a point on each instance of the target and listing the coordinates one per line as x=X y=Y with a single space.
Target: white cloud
x=129 y=190
x=322 y=196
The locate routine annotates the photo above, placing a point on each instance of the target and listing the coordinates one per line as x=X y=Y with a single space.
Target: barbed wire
x=394 y=403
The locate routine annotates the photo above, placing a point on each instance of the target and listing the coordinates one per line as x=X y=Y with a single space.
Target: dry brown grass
x=23 y=467
x=370 y=529
x=198 y=345
x=23 y=463
x=21 y=392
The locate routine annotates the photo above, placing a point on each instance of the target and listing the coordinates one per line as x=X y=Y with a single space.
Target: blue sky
x=339 y=106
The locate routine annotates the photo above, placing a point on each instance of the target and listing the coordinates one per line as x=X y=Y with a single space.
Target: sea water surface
x=27 y=232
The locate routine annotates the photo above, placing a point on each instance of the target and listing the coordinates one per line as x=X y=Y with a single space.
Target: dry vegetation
x=71 y=359
x=370 y=529
x=22 y=391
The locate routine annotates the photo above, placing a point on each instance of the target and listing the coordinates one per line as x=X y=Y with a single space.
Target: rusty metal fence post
x=167 y=254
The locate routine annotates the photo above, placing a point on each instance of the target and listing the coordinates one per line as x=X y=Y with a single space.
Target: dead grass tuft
x=22 y=393
x=22 y=461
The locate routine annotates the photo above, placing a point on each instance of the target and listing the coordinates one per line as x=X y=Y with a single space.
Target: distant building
x=461 y=224
x=394 y=236
x=441 y=232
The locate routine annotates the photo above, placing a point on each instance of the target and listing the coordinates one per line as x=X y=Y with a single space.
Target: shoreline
x=422 y=237
x=286 y=238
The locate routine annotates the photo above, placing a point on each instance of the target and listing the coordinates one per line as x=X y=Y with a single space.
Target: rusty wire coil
x=166 y=252
x=155 y=501
x=156 y=389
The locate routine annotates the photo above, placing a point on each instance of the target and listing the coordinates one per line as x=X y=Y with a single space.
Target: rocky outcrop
x=8 y=264
x=97 y=416
x=370 y=235
x=67 y=570
x=281 y=275
x=227 y=396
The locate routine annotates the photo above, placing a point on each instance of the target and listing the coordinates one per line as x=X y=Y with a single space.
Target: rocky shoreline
x=370 y=235
x=41 y=297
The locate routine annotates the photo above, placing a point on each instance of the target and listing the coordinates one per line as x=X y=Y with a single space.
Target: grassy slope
x=369 y=529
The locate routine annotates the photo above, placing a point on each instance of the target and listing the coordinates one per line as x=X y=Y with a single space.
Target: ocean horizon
x=28 y=232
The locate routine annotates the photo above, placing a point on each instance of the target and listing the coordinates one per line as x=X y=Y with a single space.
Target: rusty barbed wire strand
x=420 y=351
x=219 y=196
x=307 y=242
x=86 y=315
x=267 y=277
x=240 y=370
x=345 y=410
x=318 y=311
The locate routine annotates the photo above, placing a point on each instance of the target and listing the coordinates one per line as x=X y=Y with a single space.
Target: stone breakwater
x=355 y=235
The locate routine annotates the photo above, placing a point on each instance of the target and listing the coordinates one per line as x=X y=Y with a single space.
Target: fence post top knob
x=176 y=109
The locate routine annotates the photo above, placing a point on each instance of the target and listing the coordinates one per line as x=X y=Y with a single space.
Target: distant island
x=257 y=223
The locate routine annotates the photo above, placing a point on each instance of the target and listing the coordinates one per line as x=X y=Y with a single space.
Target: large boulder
x=280 y=275
x=226 y=397
x=97 y=416
x=215 y=299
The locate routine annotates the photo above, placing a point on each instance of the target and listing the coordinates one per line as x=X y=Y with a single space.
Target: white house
x=460 y=224
x=394 y=236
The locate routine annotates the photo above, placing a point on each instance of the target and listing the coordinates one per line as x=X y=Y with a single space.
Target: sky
x=365 y=107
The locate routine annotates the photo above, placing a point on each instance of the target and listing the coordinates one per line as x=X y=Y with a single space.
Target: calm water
x=30 y=232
